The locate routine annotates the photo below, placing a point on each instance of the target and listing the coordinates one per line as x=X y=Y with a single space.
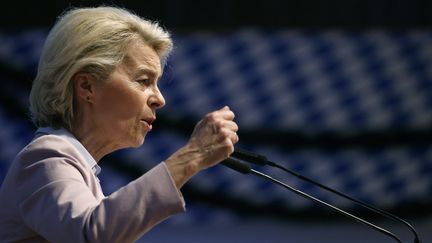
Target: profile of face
x=123 y=107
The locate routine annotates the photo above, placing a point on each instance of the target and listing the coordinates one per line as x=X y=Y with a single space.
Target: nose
x=156 y=100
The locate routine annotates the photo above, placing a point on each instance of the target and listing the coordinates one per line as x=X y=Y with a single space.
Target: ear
x=84 y=86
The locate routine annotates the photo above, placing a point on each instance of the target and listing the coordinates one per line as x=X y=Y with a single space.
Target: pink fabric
x=51 y=194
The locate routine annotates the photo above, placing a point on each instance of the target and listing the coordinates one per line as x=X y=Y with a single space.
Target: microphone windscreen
x=250 y=157
x=237 y=165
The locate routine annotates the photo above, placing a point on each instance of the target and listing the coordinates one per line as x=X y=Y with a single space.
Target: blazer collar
x=77 y=144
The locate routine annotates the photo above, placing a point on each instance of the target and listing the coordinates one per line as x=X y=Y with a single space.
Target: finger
x=226 y=114
x=224 y=127
x=230 y=135
x=224 y=108
x=231 y=125
x=234 y=138
x=220 y=114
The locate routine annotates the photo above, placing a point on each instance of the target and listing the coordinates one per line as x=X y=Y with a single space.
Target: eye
x=144 y=82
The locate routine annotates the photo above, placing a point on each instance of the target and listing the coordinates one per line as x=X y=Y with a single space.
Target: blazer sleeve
x=61 y=207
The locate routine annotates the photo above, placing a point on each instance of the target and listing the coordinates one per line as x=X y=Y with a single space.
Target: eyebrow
x=148 y=71
x=137 y=69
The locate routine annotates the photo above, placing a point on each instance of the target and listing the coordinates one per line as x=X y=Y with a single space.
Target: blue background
x=350 y=108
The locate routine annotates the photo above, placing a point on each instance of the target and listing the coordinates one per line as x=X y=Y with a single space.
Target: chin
x=136 y=137
x=138 y=142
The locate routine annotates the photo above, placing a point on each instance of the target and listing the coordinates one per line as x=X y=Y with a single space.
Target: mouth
x=148 y=122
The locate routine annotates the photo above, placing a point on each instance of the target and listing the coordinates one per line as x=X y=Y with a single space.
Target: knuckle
x=230 y=149
x=218 y=123
x=236 y=138
x=232 y=114
x=236 y=126
x=224 y=133
x=210 y=116
x=228 y=143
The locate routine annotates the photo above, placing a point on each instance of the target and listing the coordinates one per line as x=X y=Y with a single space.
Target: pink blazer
x=51 y=194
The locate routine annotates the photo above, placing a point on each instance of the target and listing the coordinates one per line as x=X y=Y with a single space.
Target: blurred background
x=338 y=91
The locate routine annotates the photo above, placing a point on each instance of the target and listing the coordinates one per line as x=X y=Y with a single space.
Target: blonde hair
x=91 y=40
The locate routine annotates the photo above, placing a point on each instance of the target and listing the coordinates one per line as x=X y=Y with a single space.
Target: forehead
x=140 y=57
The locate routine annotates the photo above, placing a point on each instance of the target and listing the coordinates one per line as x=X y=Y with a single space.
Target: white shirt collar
x=71 y=138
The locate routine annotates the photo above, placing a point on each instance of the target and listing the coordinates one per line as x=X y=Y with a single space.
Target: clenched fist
x=211 y=142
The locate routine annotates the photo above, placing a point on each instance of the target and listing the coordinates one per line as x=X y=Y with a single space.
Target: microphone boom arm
x=246 y=169
x=262 y=160
x=305 y=195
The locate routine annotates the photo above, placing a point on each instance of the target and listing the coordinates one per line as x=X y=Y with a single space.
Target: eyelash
x=144 y=81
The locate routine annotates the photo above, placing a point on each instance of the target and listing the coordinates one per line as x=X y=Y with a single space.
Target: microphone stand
x=246 y=169
x=262 y=160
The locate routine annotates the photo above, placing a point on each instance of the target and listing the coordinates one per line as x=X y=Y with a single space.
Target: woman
x=96 y=91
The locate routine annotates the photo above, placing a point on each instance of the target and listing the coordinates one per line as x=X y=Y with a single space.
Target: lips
x=148 y=122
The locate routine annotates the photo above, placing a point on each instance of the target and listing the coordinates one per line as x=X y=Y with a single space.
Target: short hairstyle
x=91 y=40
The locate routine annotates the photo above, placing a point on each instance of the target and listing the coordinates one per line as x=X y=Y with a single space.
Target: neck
x=96 y=142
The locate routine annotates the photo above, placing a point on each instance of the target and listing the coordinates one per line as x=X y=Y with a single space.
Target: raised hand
x=212 y=141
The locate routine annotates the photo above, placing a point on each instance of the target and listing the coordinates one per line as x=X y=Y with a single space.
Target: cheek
x=125 y=126
x=126 y=107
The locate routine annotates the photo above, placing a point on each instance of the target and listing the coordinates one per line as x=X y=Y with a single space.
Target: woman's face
x=126 y=103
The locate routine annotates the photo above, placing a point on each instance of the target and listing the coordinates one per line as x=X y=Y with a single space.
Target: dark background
x=228 y=14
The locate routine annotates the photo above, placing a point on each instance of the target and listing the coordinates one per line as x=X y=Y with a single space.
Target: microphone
x=238 y=166
x=250 y=157
x=262 y=160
